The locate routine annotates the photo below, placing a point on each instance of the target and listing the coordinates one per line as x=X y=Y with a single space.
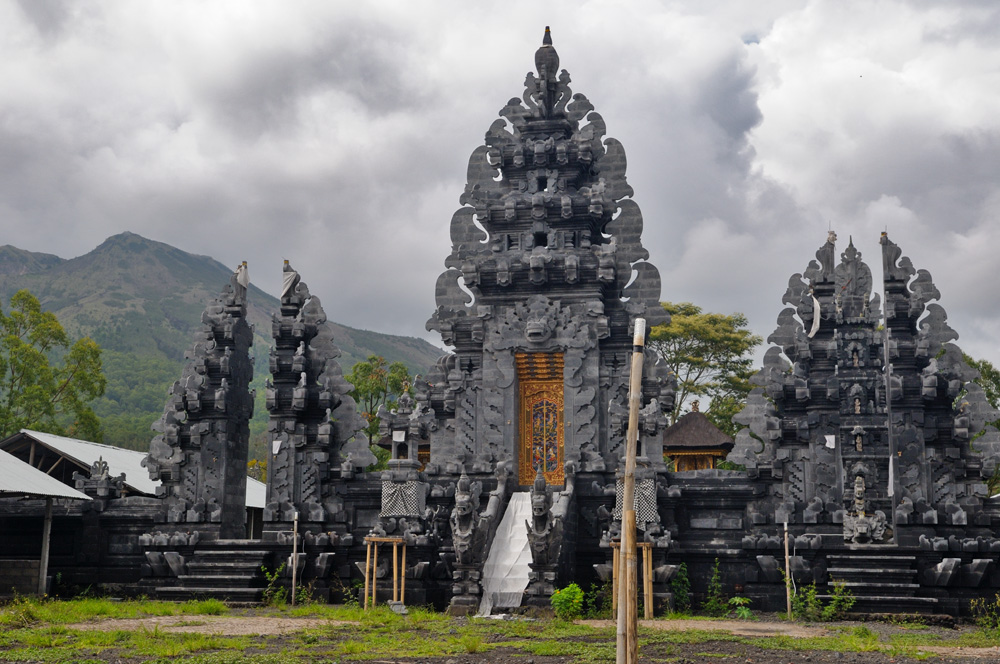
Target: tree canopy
x=376 y=382
x=989 y=380
x=712 y=356
x=46 y=383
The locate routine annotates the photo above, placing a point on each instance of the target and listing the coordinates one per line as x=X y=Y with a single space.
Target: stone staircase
x=880 y=583
x=229 y=570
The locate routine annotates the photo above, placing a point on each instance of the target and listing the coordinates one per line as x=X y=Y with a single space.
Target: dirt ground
x=707 y=651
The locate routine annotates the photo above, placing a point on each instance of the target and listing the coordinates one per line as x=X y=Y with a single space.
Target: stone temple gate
x=864 y=433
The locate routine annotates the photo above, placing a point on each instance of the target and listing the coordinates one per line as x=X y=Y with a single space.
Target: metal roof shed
x=19 y=479
x=62 y=456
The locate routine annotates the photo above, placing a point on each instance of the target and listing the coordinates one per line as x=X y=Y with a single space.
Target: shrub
x=716 y=604
x=568 y=602
x=806 y=604
x=986 y=613
x=841 y=601
x=274 y=593
x=597 y=601
x=680 y=586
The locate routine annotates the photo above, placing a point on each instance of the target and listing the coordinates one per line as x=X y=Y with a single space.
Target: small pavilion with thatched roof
x=694 y=443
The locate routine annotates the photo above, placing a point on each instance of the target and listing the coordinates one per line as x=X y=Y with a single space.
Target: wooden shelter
x=694 y=443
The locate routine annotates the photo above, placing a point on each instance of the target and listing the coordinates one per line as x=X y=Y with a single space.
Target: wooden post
x=647 y=579
x=395 y=573
x=368 y=569
x=43 y=564
x=375 y=577
x=615 y=559
x=295 y=552
x=402 y=580
x=627 y=651
x=788 y=577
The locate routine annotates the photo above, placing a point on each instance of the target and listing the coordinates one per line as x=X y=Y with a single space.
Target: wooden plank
x=53 y=467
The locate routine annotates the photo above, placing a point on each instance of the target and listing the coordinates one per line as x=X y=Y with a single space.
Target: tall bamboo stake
x=627 y=651
x=295 y=553
x=788 y=577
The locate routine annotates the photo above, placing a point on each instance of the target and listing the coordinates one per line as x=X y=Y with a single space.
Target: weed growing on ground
x=716 y=604
x=20 y=612
x=841 y=601
x=274 y=594
x=807 y=606
x=741 y=607
x=597 y=601
x=986 y=613
x=304 y=594
x=680 y=586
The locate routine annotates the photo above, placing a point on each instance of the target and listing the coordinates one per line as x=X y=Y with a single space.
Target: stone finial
x=546 y=58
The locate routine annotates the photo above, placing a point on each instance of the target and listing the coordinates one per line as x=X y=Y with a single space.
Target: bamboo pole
x=788 y=577
x=395 y=572
x=647 y=581
x=402 y=580
x=615 y=560
x=295 y=552
x=627 y=651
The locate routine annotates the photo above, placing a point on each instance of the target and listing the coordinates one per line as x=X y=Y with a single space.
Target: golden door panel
x=541 y=432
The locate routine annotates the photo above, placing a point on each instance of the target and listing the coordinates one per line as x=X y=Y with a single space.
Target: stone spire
x=200 y=454
x=313 y=419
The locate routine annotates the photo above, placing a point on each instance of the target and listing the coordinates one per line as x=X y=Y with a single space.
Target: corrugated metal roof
x=120 y=461
x=19 y=479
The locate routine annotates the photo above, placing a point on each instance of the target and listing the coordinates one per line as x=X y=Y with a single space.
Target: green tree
x=376 y=382
x=989 y=380
x=46 y=383
x=712 y=356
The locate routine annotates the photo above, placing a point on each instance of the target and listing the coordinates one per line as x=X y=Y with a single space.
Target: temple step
x=184 y=593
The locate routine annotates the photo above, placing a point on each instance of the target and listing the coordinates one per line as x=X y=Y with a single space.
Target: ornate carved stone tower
x=201 y=452
x=547 y=274
x=849 y=448
x=313 y=419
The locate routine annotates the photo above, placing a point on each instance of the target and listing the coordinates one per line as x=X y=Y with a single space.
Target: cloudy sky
x=337 y=134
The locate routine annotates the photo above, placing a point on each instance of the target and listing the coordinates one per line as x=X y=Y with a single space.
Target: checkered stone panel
x=402 y=499
x=645 y=503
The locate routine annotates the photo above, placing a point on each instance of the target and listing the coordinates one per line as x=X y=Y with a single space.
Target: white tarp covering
x=505 y=573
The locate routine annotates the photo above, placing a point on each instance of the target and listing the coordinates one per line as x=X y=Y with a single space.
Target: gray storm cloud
x=337 y=134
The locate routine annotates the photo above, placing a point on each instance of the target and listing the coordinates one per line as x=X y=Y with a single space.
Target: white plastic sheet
x=505 y=573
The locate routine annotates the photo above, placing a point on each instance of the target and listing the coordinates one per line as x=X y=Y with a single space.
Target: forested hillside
x=142 y=301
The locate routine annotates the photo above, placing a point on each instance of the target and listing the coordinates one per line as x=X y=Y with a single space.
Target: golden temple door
x=540 y=421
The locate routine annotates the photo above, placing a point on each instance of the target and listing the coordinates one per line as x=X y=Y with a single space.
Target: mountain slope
x=142 y=301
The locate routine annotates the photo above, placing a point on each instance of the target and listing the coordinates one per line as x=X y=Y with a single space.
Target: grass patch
x=37 y=631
